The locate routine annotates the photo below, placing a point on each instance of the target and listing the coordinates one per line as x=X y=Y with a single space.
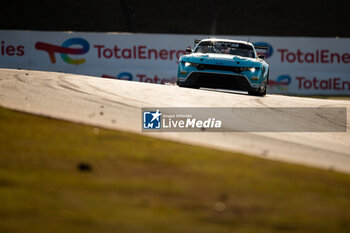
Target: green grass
x=142 y=184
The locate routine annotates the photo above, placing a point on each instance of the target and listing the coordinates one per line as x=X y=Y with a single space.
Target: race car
x=224 y=64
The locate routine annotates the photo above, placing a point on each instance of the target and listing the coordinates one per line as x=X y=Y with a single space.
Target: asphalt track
x=117 y=104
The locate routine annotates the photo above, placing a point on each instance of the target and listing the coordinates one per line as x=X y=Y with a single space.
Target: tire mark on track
x=121 y=103
x=116 y=95
x=298 y=117
x=62 y=82
x=77 y=89
x=110 y=101
x=73 y=89
x=17 y=76
x=64 y=79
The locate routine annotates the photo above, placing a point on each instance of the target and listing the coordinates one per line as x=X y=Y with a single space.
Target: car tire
x=189 y=86
x=259 y=92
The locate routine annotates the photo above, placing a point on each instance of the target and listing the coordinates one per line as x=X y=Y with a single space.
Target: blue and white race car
x=224 y=64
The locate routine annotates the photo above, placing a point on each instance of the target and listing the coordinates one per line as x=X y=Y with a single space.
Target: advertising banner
x=300 y=66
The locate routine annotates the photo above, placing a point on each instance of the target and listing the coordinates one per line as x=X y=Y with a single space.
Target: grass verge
x=57 y=176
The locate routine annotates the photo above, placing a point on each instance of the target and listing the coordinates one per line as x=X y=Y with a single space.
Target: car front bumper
x=218 y=80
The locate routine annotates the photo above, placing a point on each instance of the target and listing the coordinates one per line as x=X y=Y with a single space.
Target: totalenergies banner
x=302 y=66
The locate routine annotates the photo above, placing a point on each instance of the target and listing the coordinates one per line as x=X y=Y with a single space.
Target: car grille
x=218 y=67
x=216 y=80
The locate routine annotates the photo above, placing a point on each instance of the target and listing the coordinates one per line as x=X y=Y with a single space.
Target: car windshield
x=239 y=49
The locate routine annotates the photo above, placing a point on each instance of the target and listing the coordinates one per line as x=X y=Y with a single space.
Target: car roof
x=227 y=40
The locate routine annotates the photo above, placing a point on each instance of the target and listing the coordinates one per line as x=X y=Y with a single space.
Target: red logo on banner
x=323 y=84
x=64 y=50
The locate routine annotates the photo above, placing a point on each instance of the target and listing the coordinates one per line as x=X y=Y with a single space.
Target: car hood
x=221 y=59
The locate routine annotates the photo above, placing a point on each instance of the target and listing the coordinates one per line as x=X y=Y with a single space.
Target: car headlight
x=251 y=69
x=187 y=64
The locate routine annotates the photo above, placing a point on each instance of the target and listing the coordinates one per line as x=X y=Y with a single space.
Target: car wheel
x=261 y=92
x=189 y=86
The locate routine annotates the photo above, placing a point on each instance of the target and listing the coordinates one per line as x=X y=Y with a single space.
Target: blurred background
x=221 y=17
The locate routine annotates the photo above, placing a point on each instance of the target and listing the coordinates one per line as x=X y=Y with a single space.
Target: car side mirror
x=261 y=56
x=188 y=50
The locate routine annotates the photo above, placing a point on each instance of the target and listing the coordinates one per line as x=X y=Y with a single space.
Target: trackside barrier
x=299 y=65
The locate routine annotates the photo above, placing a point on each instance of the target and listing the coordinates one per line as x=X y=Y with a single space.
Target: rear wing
x=261 y=47
x=196 y=41
x=261 y=54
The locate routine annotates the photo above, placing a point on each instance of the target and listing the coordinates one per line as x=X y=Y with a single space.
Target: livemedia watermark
x=315 y=119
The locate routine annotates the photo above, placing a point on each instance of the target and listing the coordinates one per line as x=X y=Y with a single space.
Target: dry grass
x=131 y=183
